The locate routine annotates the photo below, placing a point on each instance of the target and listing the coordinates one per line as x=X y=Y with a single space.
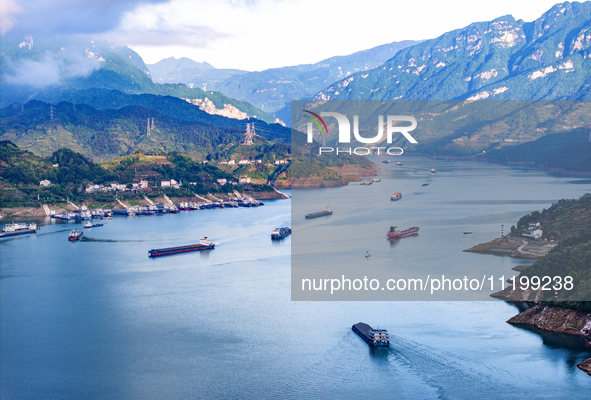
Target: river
x=98 y=319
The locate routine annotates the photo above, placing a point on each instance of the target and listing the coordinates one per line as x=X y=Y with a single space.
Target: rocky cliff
x=558 y=320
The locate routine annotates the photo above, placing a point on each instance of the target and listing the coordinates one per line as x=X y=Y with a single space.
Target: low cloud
x=9 y=9
x=25 y=17
x=50 y=70
x=163 y=35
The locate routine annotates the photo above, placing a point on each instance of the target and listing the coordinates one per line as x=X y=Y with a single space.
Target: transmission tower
x=249 y=135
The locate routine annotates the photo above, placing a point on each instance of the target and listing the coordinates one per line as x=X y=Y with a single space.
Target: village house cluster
x=533 y=230
x=92 y=188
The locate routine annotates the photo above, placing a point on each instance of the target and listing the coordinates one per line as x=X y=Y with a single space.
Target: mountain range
x=272 y=89
x=189 y=72
x=58 y=68
x=501 y=59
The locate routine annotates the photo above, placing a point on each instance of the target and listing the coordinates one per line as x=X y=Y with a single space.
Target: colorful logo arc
x=316 y=122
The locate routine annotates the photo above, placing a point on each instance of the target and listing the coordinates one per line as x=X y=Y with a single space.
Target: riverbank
x=514 y=246
x=139 y=200
x=559 y=320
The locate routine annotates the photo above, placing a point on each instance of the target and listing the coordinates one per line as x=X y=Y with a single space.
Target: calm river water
x=98 y=319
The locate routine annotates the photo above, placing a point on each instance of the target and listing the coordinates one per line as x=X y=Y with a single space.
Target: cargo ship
x=75 y=235
x=280 y=233
x=204 y=244
x=327 y=211
x=18 y=229
x=374 y=337
x=396 y=196
x=397 y=233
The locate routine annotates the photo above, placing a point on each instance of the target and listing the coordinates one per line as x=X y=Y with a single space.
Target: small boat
x=366 y=183
x=425 y=183
x=373 y=337
x=367 y=255
x=396 y=196
x=280 y=233
x=327 y=211
x=433 y=171
x=398 y=163
x=467 y=232
x=91 y=225
x=75 y=235
x=204 y=244
x=386 y=162
x=374 y=180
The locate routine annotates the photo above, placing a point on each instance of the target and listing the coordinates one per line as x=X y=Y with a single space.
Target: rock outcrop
x=559 y=320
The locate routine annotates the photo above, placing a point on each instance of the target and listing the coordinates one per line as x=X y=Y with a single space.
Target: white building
x=165 y=183
x=44 y=183
x=143 y=184
x=222 y=181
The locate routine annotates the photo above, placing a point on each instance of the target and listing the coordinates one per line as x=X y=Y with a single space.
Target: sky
x=254 y=35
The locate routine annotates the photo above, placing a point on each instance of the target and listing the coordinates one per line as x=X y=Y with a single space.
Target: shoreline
x=558 y=320
x=39 y=212
x=514 y=246
x=543 y=317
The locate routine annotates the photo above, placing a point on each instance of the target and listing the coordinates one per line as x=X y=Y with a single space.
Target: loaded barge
x=18 y=229
x=280 y=233
x=395 y=232
x=327 y=211
x=204 y=244
x=373 y=337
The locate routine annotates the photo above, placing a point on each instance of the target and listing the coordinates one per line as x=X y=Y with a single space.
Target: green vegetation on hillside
x=69 y=172
x=564 y=219
x=567 y=150
x=569 y=220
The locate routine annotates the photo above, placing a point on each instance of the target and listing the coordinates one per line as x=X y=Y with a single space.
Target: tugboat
x=396 y=196
x=75 y=235
x=397 y=233
x=280 y=233
x=373 y=337
x=327 y=211
x=204 y=244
